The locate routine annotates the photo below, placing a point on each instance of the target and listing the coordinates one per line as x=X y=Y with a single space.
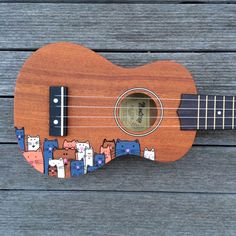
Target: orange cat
x=35 y=158
x=107 y=152
x=112 y=144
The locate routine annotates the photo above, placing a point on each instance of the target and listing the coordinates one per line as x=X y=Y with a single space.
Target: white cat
x=33 y=143
x=80 y=147
x=149 y=154
x=88 y=160
x=60 y=167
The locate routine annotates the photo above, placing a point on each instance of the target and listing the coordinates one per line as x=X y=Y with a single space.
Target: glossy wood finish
x=86 y=73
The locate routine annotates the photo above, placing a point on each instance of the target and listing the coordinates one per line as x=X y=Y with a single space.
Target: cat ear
x=45 y=139
x=118 y=140
x=29 y=136
x=136 y=141
x=37 y=136
x=152 y=150
x=145 y=149
x=87 y=142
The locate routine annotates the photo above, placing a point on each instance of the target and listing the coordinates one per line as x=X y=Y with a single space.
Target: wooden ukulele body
x=87 y=76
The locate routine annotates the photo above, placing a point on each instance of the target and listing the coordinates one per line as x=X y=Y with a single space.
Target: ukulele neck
x=207 y=112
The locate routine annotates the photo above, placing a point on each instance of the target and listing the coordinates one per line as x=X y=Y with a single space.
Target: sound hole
x=138 y=112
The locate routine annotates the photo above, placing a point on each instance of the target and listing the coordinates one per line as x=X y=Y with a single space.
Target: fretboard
x=207 y=112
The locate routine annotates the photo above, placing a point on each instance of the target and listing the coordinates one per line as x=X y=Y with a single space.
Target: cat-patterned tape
x=74 y=157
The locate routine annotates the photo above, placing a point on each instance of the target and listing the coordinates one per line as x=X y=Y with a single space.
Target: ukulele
x=74 y=111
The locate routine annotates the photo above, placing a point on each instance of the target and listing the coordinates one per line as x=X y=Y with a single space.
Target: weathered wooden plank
x=99 y=213
x=131 y=26
x=204 y=169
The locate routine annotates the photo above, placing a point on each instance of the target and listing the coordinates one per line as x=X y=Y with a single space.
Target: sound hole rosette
x=152 y=96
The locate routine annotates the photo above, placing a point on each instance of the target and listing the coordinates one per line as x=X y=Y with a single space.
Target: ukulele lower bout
x=75 y=111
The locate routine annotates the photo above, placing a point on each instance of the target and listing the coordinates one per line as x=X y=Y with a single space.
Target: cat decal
x=150 y=155
x=60 y=170
x=69 y=144
x=88 y=159
x=99 y=160
x=20 y=135
x=112 y=144
x=77 y=168
x=35 y=159
x=107 y=152
x=124 y=148
x=33 y=143
x=48 y=147
x=67 y=156
x=80 y=148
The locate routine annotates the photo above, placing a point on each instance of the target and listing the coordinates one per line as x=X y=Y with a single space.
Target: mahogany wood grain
x=86 y=73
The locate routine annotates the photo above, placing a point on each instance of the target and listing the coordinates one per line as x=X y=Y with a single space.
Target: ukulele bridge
x=58 y=111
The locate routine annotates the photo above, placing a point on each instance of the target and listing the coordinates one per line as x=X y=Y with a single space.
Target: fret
x=233 y=113
x=202 y=112
x=198 y=110
x=210 y=112
x=214 y=112
x=223 y=117
x=219 y=112
x=206 y=112
x=228 y=112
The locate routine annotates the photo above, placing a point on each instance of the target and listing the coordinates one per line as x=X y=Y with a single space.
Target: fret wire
x=206 y=112
x=214 y=112
x=233 y=115
x=223 y=121
x=198 y=110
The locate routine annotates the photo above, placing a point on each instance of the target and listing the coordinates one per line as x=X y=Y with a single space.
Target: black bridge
x=58 y=111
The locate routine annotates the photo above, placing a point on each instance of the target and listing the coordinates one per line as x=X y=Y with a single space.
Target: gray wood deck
x=194 y=196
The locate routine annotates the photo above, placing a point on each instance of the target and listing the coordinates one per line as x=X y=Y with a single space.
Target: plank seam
x=116 y=191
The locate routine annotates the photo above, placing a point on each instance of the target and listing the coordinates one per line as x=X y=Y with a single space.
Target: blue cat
x=20 y=135
x=99 y=160
x=127 y=148
x=48 y=147
x=77 y=168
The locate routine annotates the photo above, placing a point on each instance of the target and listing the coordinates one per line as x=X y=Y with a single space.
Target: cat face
x=77 y=168
x=89 y=157
x=20 y=133
x=111 y=144
x=33 y=143
x=52 y=171
x=127 y=148
x=89 y=153
x=99 y=160
x=82 y=146
x=107 y=152
x=67 y=155
x=69 y=144
x=50 y=145
x=149 y=154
